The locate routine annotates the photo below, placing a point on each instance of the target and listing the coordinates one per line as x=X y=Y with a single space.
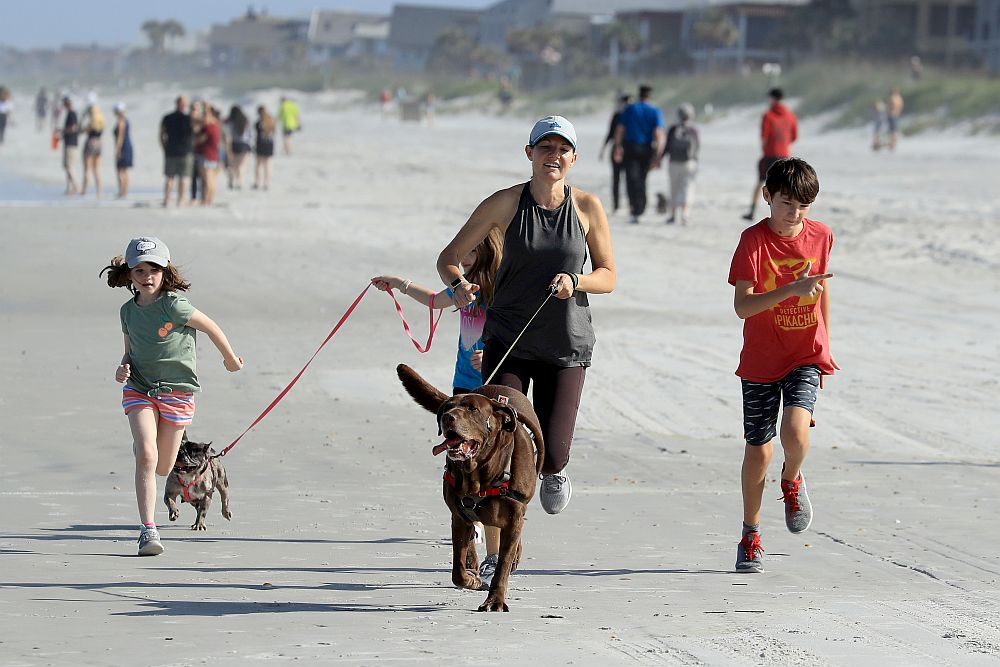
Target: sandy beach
x=338 y=551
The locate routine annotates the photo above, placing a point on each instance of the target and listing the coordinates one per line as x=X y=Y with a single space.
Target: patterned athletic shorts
x=760 y=402
x=176 y=407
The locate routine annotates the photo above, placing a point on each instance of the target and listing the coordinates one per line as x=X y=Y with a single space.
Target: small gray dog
x=195 y=477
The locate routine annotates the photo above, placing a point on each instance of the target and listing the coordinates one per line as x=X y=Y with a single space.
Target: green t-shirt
x=288 y=113
x=163 y=346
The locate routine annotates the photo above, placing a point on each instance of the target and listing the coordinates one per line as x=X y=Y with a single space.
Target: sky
x=52 y=23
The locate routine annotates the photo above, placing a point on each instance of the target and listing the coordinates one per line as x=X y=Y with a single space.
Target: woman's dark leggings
x=555 y=397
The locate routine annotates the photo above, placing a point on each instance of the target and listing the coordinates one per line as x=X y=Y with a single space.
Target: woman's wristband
x=574 y=278
x=405 y=285
x=457 y=281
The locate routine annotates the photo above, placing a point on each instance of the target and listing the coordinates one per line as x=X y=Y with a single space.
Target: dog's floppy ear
x=420 y=390
x=507 y=414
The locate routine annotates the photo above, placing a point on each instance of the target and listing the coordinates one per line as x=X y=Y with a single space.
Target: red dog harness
x=469 y=505
x=187 y=487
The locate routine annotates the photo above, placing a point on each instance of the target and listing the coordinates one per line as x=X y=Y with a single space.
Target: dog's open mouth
x=458 y=448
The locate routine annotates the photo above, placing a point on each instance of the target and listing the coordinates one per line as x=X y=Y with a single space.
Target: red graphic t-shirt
x=792 y=333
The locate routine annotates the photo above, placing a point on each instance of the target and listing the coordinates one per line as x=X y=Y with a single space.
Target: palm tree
x=156 y=33
x=159 y=32
x=173 y=29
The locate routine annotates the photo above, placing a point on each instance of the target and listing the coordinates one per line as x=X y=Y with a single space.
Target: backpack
x=682 y=143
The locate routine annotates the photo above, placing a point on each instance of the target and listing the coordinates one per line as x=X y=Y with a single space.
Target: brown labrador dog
x=491 y=472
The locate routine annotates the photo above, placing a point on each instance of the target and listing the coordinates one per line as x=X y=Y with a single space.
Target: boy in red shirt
x=779 y=128
x=779 y=271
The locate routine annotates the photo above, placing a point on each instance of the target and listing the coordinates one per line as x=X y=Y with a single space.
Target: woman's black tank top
x=540 y=243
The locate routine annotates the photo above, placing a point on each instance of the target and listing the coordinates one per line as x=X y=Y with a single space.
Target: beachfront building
x=737 y=33
x=414 y=30
x=346 y=34
x=258 y=42
x=936 y=30
x=580 y=17
x=986 y=37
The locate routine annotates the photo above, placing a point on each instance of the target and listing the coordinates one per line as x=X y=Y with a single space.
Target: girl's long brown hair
x=119 y=275
x=483 y=272
x=267 y=121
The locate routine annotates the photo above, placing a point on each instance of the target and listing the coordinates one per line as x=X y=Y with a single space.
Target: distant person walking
x=639 y=143
x=779 y=128
x=57 y=109
x=123 y=149
x=197 y=113
x=93 y=127
x=239 y=144
x=41 y=109
x=177 y=140
x=683 y=146
x=880 y=121
x=70 y=139
x=207 y=150
x=6 y=111
x=894 y=109
x=616 y=167
x=288 y=114
x=264 y=148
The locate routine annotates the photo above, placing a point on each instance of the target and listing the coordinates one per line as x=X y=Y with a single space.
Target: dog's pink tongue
x=440 y=448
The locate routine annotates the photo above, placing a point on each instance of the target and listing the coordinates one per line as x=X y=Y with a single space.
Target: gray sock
x=751 y=529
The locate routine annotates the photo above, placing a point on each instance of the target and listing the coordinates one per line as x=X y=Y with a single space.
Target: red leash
x=406 y=327
x=430 y=316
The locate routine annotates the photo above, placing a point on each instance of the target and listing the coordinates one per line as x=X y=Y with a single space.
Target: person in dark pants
x=550 y=230
x=616 y=167
x=639 y=143
x=177 y=141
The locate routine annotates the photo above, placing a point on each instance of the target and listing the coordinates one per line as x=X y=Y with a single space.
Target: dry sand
x=338 y=550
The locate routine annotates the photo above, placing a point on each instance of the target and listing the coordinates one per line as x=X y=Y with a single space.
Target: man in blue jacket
x=639 y=144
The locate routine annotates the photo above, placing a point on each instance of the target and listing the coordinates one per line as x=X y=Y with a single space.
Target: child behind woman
x=158 y=367
x=480 y=267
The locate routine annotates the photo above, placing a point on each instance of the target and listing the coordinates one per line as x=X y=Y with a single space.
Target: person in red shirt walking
x=780 y=272
x=207 y=150
x=779 y=128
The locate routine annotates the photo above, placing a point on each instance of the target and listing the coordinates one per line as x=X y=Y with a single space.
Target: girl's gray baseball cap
x=553 y=125
x=147 y=249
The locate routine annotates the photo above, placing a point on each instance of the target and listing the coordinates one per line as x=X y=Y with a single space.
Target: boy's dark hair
x=776 y=93
x=645 y=91
x=118 y=276
x=625 y=99
x=793 y=177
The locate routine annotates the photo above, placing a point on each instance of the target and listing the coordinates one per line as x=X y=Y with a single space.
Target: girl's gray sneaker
x=149 y=542
x=748 y=553
x=486 y=571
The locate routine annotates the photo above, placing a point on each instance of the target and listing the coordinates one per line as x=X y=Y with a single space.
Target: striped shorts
x=760 y=402
x=175 y=407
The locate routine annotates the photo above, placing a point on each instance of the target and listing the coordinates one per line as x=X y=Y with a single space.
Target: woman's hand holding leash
x=564 y=285
x=465 y=293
